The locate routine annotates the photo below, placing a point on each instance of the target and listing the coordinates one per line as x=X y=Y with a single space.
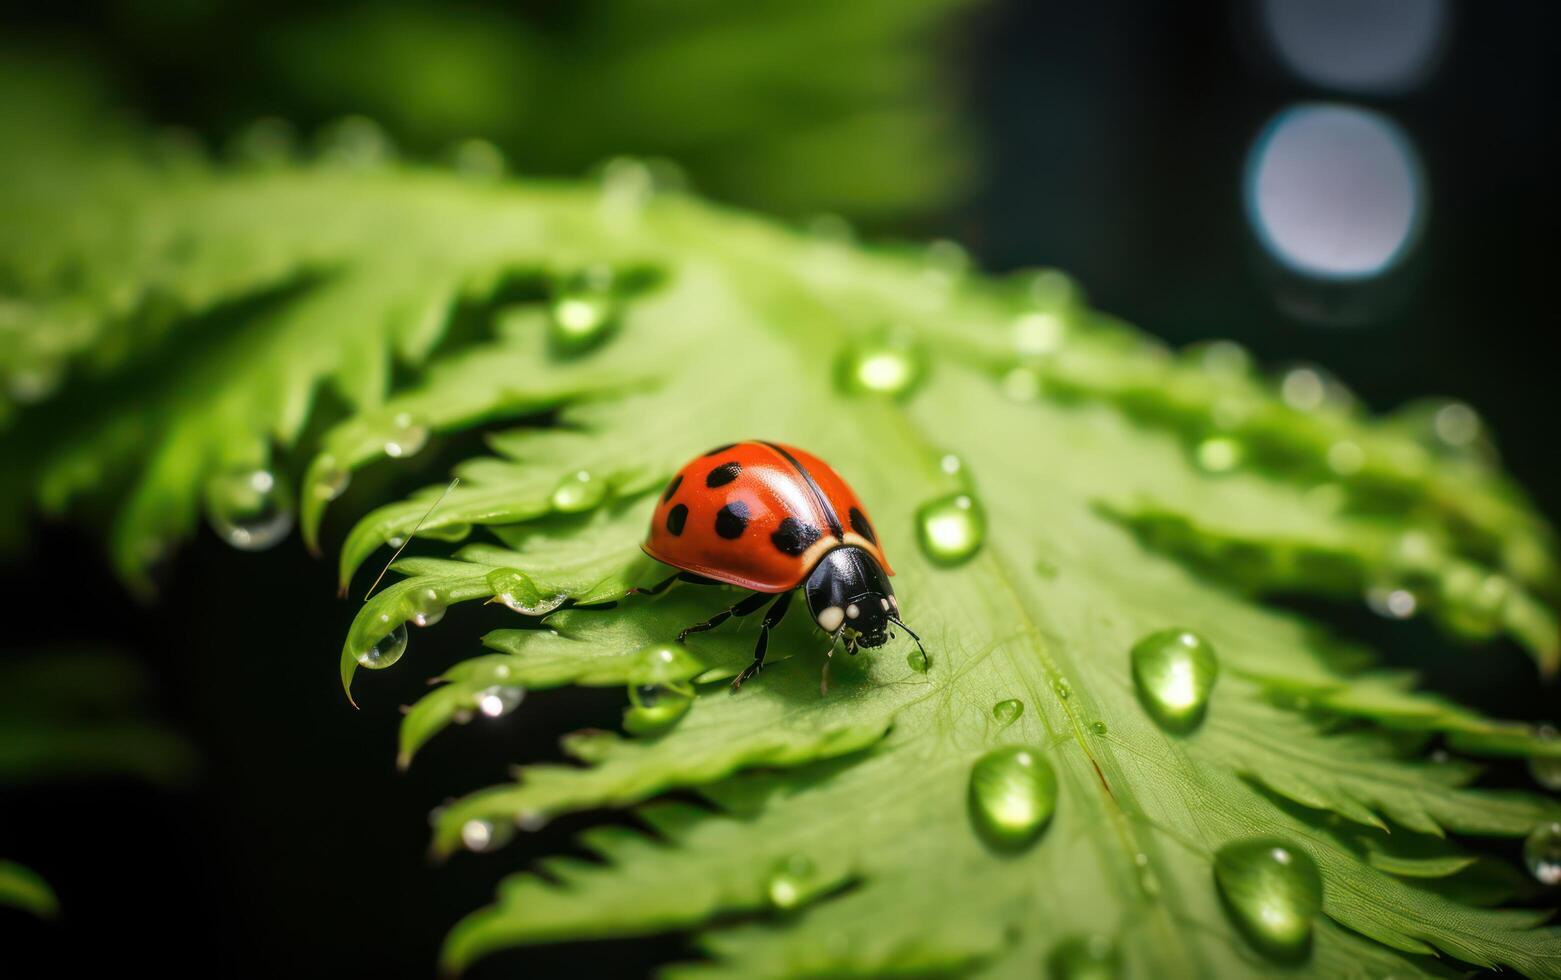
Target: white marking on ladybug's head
x=885 y=604
x=895 y=603
x=852 y=611
x=830 y=618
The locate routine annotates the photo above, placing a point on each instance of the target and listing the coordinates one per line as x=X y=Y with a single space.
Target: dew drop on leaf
x=578 y=492
x=951 y=529
x=917 y=659
x=485 y=835
x=887 y=365
x=249 y=508
x=1063 y=688
x=1219 y=454
x=425 y=606
x=1174 y=672
x=583 y=312
x=1038 y=333
x=387 y=651
x=1007 y=712
x=515 y=589
x=791 y=883
x=407 y=436
x=1084 y=958
x=330 y=478
x=657 y=706
x=1542 y=853
x=498 y=700
x=1099 y=728
x=1391 y=602
x=1013 y=793
x=1272 y=891
x=1546 y=770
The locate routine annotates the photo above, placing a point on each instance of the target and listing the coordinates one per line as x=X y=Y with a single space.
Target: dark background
x=1113 y=139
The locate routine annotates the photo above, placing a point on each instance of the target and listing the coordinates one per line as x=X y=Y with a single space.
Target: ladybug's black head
x=849 y=595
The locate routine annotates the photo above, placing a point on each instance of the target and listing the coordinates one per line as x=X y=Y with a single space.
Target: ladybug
x=773 y=518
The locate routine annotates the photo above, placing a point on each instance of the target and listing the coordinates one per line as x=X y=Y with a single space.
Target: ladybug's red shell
x=757 y=515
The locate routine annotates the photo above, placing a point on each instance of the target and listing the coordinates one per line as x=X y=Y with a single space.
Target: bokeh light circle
x=1379 y=47
x=1335 y=192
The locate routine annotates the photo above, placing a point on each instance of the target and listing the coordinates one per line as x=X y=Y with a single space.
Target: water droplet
x=1273 y=891
x=1007 y=712
x=1542 y=853
x=951 y=529
x=792 y=883
x=1099 y=728
x=578 y=492
x=485 y=835
x=657 y=706
x=498 y=700
x=515 y=589
x=917 y=659
x=386 y=651
x=1391 y=602
x=1038 y=333
x=1174 y=671
x=407 y=436
x=330 y=478
x=456 y=531
x=425 y=606
x=890 y=364
x=250 y=509
x=584 y=311
x=1013 y=793
x=1219 y=454
x=1063 y=688
x=949 y=464
x=1084 y=958
x=1546 y=770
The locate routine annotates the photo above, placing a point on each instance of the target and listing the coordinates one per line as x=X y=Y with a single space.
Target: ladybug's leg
x=666 y=583
x=771 y=618
x=746 y=607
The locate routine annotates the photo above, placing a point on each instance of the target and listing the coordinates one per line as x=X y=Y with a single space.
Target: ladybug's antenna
x=896 y=621
x=416 y=528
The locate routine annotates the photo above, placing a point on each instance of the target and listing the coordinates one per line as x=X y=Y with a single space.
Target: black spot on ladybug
x=723 y=474
x=732 y=520
x=794 y=537
x=860 y=526
x=720 y=449
x=676 y=518
x=672 y=488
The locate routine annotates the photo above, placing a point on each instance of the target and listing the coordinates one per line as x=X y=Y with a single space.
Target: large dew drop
x=498 y=700
x=515 y=589
x=1273 y=891
x=1546 y=770
x=249 y=509
x=1174 y=671
x=1007 y=712
x=889 y=365
x=793 y=882
x=1542 y=853
x=330 y=478
x=583 y=313
x=425 y=606
x=1013 y=794
x=407 y=436
x=951 y=529
x=654 y=707
x=578 y=492
x=387 y=651
x=485 y=835
x=1084 y=958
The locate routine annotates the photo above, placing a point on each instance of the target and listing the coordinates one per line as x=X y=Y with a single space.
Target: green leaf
x=23 y=888
x=1114 y=491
